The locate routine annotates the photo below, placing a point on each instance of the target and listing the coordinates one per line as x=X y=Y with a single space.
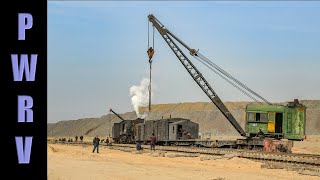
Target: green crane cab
x=277 y=121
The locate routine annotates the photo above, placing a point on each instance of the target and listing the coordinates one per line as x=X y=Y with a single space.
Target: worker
x=76 y=138
x=184 y=134
x=107 y=141
x=96 y=142
x=188 y=135
x=150 y=54
x=110 y=140
x=139 y=147
x=153 y=141
x=260 y=134
x=81 y=138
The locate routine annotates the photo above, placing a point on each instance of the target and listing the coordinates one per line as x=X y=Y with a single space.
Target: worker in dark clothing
x=107 y=141
x=76 y=138
x=260 y=134
x=138 y=146
x=81 y=138
x=96 y=142
x=153 y=141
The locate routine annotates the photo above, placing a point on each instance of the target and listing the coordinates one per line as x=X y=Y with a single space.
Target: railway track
x=293 y=158
x=307 y=164
x=307 y=159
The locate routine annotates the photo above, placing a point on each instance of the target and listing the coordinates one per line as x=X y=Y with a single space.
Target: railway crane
x=193 y=71
x=259 y=117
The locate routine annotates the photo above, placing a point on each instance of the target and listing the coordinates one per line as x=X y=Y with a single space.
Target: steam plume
x=140 y=95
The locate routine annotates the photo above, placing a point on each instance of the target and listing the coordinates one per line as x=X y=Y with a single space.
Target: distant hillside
x=210 y=119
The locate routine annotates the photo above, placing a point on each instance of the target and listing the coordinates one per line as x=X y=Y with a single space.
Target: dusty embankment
x=210 y=119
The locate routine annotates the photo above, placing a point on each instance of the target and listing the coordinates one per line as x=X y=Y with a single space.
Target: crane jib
x=194 y=72
x=116 y=114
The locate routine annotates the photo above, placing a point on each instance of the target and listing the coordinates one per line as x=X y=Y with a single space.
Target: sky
x=97 y=50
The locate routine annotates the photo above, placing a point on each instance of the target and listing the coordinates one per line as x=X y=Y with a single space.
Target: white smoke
x=144 y=115
x=140 y=96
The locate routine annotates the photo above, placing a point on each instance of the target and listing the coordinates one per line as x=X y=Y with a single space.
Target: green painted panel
x=253 y=127
x=298 y=121
x=265 y=108
x=289 y=122
x=271 y=116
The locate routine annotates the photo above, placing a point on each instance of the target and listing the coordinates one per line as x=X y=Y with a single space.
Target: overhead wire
x=153 y=37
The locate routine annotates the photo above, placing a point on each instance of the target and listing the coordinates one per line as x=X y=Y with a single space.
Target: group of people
x=153 y=141
x=96 y=142
x=71 y=140
x=81 y=138
x=186 y=135
x=183 y=134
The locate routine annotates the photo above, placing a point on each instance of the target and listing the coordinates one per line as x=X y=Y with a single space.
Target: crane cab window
x=251 y=116
x=262 y=117
x=258 y=117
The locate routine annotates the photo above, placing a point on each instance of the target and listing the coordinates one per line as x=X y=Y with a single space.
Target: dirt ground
x=311 y=145
x=76 y=162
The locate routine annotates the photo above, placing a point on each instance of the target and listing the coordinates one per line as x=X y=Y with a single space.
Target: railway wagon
x=279 y=121
x=166 y=130
x=184 y=129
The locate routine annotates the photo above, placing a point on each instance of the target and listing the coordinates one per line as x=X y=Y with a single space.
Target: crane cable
x=148 y=34
x=223 y=77
x=223 y=74
x=150 y=54
x=236 y=80
x=226 y=74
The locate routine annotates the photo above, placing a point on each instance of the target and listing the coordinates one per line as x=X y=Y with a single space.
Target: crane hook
x=150 y=53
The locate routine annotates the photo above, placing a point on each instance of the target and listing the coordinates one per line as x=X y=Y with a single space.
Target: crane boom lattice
x=195 y=73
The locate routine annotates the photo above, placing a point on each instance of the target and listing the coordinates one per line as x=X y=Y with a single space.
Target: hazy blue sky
x=97 y=51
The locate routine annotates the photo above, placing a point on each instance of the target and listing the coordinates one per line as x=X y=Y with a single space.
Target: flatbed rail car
x=184 y=132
